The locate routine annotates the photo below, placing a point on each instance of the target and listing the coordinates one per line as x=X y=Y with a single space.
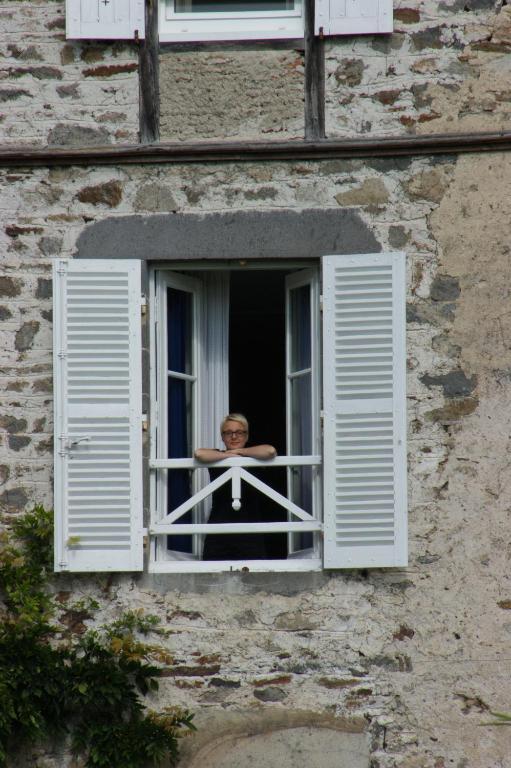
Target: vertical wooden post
x=314 y=78
x=148 y=64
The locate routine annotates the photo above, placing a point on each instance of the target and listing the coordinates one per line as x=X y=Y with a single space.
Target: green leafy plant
x=89 y=686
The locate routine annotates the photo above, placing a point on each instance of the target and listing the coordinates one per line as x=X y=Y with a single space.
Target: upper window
x=195 y=20
x=204 y=20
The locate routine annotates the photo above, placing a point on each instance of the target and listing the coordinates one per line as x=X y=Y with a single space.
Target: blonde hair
x=234 y=417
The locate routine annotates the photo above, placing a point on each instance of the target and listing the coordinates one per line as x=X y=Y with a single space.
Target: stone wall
x=445 y=69
x=57 y=92
x=411 y=658
x=395 y=668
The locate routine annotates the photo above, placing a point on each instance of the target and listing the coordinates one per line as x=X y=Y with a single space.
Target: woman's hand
x=263 y=452
x=208 y=455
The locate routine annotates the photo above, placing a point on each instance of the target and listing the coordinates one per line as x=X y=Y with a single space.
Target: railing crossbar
x=226 y=528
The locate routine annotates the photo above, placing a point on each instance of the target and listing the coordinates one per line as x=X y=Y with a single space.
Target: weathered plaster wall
x=231 y=94
x=59 y=92
x=412 y=658
x=402 y=665
x=445 y=69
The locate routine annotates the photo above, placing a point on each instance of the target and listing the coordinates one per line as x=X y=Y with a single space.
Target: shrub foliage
x=90 y=686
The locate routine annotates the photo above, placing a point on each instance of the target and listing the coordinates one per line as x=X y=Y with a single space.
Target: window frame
x=360 y=531
x=161 y=559
x=220 y=26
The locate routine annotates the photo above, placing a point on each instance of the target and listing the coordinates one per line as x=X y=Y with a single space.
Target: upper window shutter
x=98 y=430
x=353 y=17
x=105 y=19
x=364 y=410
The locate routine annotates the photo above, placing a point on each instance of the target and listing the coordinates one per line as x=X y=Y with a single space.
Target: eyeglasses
x=236 y=433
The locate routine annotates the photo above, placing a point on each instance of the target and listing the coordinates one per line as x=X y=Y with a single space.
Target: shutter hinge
x=136 y=36
x=143 y=305
x=321 y=33
x=321 y=302
x=145 y=422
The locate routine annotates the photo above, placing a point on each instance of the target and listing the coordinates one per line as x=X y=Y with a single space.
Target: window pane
x=179 y=330
x=179 y=446
x=232 y=6
x=300 y=320
x=301 y=416
x=301 y=444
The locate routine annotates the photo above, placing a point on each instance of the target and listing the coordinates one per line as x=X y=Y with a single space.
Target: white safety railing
x=235 y=472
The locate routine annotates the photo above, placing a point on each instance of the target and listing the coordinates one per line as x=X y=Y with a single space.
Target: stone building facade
x=381 y=668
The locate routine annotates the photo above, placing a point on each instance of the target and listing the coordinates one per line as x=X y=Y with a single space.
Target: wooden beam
x=314 y=78
x=149 y=88
x=257 y=151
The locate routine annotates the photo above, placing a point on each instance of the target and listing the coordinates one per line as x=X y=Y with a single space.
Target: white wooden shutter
x=353 y=17
x=364 y=410
x=97 y=391
x=105 y=19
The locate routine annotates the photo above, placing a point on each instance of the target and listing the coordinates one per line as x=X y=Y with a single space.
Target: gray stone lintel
x=305 y=234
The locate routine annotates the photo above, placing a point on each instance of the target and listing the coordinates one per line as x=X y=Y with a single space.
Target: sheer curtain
x=214 y=373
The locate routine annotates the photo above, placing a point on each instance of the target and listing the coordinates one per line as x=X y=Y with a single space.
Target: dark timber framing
x=240 y=152
x=149 y=89
x=314 y=77
x=149 y=92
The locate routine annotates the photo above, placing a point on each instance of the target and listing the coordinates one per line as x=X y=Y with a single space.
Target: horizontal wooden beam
x=255 y=151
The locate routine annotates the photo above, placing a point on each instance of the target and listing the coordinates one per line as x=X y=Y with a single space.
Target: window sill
x=251 y=35
x=238 y=566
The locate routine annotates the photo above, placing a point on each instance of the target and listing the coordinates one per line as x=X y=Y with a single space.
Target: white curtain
x=215 y=357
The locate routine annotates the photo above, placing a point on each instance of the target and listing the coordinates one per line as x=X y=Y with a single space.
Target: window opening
x=266 y=370
x=257 y=389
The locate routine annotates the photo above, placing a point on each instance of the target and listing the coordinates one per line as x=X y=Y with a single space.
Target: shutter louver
x=98 y=453
x=105 y=19
x=365 y=410
x=353 y=17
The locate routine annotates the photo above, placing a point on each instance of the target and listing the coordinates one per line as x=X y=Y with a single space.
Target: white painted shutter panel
x=364 y=410
x=98 y=393
x=353 y=17
x=105 y=19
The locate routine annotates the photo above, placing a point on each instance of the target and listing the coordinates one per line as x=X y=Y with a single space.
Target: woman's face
x=234 y=435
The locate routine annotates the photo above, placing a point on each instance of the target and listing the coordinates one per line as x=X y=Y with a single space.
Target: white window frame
x=159 y=384
x=311 y=278
x=195 y=27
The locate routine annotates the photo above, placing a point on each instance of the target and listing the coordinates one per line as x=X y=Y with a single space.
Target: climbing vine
x=89 y=686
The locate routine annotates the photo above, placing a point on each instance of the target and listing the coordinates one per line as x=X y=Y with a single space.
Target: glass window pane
x=232 y=6
x=301 y=494
x=179 y=408
x=301 y=416
x=300 y=321
x=179 y=487
x=179 y=330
